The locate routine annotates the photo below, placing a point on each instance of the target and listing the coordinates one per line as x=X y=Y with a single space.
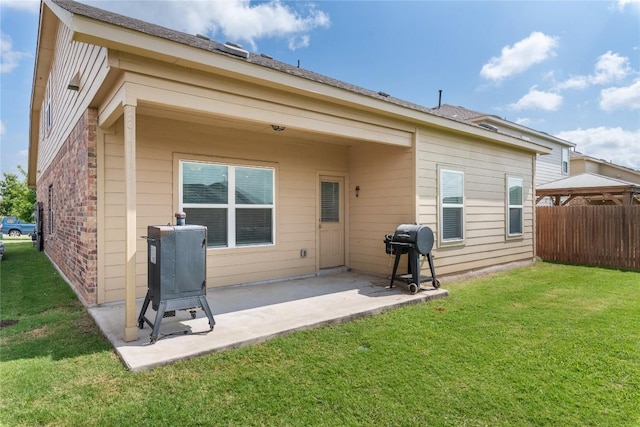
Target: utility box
x=176 y=272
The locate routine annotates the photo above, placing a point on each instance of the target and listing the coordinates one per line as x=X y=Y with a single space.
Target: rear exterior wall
x=485 y=167
x=160 y=144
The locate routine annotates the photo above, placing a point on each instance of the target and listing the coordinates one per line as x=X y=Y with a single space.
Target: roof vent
x=234 y=49
x=202 y=36
x=264 y=55
x=488 y=126
x=386 y=95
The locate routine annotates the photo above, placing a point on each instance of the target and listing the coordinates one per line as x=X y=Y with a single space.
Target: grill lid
x=419 y=235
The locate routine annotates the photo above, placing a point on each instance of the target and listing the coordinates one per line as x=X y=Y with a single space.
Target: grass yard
x=549 y=345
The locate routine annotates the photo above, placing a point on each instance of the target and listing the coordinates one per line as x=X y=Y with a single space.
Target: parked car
x=15 y=227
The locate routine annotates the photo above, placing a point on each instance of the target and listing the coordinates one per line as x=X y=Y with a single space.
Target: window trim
x=48 y=120
x=509 y=206
x=442 y=205
x=52 y=223
x=231 y=205
x=564 y=161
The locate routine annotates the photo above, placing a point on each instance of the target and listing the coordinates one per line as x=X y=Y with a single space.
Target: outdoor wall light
x=277 y=128
x=357 y=191
x=74 y=84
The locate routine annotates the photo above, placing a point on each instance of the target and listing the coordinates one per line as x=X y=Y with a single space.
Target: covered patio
x=251 y=314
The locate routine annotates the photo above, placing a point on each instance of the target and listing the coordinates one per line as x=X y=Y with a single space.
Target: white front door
x=331 y=226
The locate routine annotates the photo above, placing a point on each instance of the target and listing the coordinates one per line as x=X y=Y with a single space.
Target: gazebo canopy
x=588 y=185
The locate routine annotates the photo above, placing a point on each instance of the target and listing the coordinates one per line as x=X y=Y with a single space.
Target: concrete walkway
x=255 y=313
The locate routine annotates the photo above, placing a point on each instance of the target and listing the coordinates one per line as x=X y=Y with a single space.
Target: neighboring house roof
x=495 y=123
x=589 y=184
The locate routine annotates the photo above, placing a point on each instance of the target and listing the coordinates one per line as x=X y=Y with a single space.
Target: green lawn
x=542 y=345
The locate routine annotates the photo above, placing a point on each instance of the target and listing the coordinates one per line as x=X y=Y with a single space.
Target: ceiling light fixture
x=277 y=128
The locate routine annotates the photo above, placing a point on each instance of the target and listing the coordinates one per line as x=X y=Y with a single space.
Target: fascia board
x=524 y=129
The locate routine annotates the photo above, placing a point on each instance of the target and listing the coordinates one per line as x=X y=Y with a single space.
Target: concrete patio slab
x=254 y=313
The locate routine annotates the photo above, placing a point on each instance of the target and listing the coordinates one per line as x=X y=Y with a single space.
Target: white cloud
x=538 y=100
x=237 y=20
x=298 y=42
x=610 y=67
x=3 y=129
x=517 y=58
x=615 y=98
x=616 y=145
x=32 y=6
x=9 y=58
x=623 y=3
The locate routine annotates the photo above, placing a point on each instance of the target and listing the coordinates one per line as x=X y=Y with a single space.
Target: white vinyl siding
x=514 y=202
x=451 y=205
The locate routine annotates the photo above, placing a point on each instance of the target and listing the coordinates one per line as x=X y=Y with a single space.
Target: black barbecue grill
x=176 y=270
x=414 y=241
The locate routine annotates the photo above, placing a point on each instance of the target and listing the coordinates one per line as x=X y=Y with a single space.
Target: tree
x=17 y=198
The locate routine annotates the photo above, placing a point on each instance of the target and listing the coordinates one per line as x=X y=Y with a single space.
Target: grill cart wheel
x=436 y=284
x=413 y=288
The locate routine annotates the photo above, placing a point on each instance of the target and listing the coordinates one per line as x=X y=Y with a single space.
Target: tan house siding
x=386 y=199
x=70 y=213
x=67 y=106
x=161 y=143
x=485 y=168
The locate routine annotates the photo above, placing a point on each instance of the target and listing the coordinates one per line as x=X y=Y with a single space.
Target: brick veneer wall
x=73 y=244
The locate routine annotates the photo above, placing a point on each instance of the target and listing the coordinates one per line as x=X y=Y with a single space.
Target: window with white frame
x=236 y=203
x=515 y=204
x=565 y=161
x=451 y=205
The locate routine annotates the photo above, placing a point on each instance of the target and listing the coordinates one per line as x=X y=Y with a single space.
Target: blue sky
x=571 y=69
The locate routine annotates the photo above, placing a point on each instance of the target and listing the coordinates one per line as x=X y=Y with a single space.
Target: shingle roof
x=457 y=112
x=215 y=47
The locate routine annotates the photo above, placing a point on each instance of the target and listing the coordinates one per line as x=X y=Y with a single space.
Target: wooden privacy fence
x=607 y=236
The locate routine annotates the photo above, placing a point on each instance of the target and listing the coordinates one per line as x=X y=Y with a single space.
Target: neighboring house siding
x=549 y=167
x=160 y=145
x=587 y=165
x=72 y=182
x=485 y=168
x=67 y=106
